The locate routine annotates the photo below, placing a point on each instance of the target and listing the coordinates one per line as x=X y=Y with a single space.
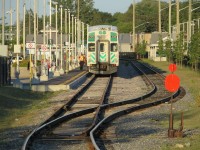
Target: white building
x=153 y=54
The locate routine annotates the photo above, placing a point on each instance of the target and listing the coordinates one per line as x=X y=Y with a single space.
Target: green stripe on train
x=102 y=57
x=92 y=58
x=113 y=58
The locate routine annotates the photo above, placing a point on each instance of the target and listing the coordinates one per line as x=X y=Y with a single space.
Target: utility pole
x=3 y=21
x=50 y=40
x=159 y=17
x=67 y=50
x=24 y=20
x=35 y=59
x=17 y=39
x=78 y=27
x=37 y=16
x=72 y=39
x=78 y=10
x=133 y=26
x=177 y=19
x=170 y=12
x=61 y=48
x=75 y=41
x=189 y=19
x=83 y=36
x=69 y=42
x=56 y=34
x=44 y=30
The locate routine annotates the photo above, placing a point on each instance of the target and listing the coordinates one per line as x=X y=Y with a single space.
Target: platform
x=63 y=82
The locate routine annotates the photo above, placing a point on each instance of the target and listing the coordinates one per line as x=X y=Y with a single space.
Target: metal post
x=56 y=34
x=3 y=21
x=24 y=20
x=17 y=39
x=50 y=38
x=69 y=43
x=133 y=25
x=35 y=33
x=170 y=11
x=61 y=48
x=75 y=52
x=159 y=13
x=83 y=37
x=37 y=16
x=189 y=19
x=72 y=41
x=78 y=10
x=44 y=30
x=177 y=19
x=66 y=46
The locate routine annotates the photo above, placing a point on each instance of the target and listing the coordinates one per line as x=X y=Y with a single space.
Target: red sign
x=172 y=67
x=172 y=82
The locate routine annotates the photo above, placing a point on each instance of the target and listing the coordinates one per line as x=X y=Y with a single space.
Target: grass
x=16 y=103
x=190 y=80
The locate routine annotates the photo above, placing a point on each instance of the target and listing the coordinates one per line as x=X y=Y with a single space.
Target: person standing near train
x=81 y=61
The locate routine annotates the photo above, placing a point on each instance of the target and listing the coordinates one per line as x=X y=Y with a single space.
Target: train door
x=103 y=49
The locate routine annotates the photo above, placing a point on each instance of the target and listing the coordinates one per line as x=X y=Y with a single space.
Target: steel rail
x=108 y=119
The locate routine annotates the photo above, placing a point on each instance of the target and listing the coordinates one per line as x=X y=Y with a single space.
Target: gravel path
x=144 y=130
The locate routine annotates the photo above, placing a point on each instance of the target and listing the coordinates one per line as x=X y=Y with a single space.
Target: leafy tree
x=141 y=48
x=194 y=50
x=160 y=50
x=179 y=49
x=168 y=49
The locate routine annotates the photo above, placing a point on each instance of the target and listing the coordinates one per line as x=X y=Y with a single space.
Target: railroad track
x=86 y=116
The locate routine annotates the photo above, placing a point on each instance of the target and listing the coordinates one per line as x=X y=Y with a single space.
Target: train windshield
x=114 y=47
x=102 y=49
x=91 y=47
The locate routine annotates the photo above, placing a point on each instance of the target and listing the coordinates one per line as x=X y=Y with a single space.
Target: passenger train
x=102 y=49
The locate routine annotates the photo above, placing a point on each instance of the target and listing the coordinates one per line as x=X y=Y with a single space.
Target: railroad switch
x=173 y=132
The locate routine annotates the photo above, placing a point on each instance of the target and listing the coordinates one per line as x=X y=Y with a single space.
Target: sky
x=113 y=6
x=110 y=6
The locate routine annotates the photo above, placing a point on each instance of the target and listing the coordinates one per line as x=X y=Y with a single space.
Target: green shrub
x=23 y=63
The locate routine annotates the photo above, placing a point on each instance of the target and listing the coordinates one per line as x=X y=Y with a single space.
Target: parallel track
x=90 y=116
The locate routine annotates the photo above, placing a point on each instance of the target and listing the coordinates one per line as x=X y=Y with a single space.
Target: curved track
x=89 y=112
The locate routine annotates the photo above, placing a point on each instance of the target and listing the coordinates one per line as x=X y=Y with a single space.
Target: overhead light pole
x=133 y=26
x=3 y=21
x=56 y=33
x=177 y=19
x=11 y=24
x=75 y=42
x=17 y=38
x=61 y=48
x=24 y=20
x=72 y=40
x=50 y=41
x=69 y=41
x=83 y=37
x=66 y=43
x=35 y=59
x=170 y=12
x=159 y=17
x=44 y=30
x=189 y=19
